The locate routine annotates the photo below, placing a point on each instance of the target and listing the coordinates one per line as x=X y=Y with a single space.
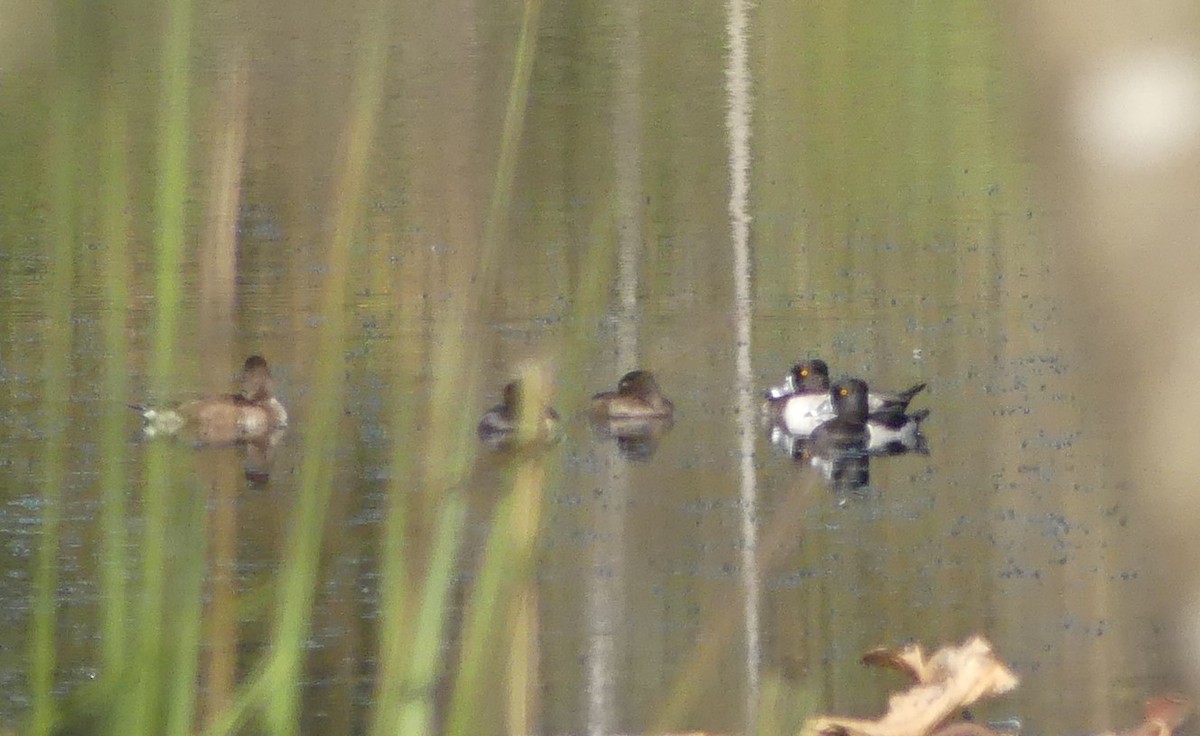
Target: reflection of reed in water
x=740 y=105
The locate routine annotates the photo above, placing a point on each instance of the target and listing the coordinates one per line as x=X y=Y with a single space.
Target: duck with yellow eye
x=856 y=429
x=807 y=376
x=500 y=426
x=803 y=401
x=252 y=414
x=847 y=431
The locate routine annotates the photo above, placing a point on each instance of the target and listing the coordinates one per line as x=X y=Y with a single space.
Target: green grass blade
x=461 y=315
x=116 y=384
x=479 y=626
x=144 y=715
x=416 y=714
x=299 y=573
x=56 y=360
x=171 y=189
x=184 y=623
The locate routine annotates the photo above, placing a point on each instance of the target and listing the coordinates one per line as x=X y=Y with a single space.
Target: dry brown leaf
x=909 y=661
x=1162 y=716
x=952 y=679
x=1170 y=711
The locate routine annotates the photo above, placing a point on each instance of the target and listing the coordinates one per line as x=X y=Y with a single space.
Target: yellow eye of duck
x=804 y=373
x=844 y=392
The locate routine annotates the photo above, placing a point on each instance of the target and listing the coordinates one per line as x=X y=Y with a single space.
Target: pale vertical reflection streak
x=605 y=590
x=737 y=121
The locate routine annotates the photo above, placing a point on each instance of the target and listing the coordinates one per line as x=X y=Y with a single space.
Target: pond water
x=891 y=232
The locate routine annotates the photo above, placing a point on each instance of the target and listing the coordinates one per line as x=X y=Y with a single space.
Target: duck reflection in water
x=841 y=448
x=500 y=427
x=636 y=415
x=253 y=417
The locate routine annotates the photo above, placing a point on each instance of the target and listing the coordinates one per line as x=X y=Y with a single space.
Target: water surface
x=892 y=232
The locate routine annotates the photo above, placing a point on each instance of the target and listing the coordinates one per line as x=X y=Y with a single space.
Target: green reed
x=148 y=696
x=410 y=655
x=274 y=689
x=152 y=606
x=299 y=576
x=184 y=619
x=509 y=548
x=55 y=360
x=116 y=383
x=461 y=315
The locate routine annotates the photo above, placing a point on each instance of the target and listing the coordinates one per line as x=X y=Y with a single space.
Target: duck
x=252 y=414
x=498 y=427
x=636 y=415
x=846 y=432
x=638 y=396
x=804 y=400
x=855 y=429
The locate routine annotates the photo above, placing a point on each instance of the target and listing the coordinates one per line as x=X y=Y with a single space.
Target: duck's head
x=850 y=398
x=638 y=383
x=810 y=376
x=257 y=384
x=512 y=396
